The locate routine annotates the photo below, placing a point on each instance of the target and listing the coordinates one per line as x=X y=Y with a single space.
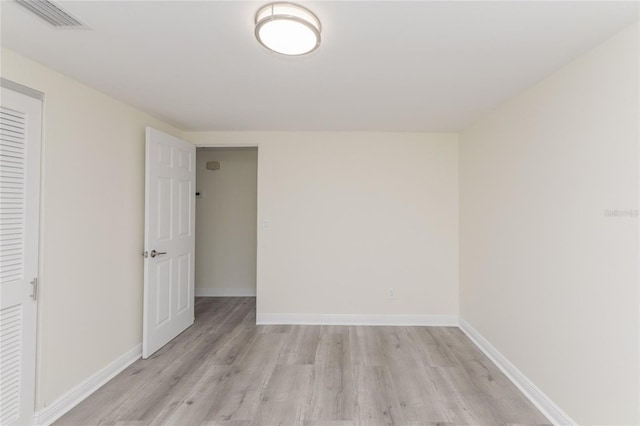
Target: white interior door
x=20 y=133
x=170 y=180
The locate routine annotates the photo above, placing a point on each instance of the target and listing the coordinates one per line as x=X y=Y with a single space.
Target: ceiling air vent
x=51 y=13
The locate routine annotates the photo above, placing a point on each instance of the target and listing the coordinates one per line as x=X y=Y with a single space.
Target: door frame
x=36 y=94
x=242 y=145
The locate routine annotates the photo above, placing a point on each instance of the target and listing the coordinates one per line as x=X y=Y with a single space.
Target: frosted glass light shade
x=287 y=29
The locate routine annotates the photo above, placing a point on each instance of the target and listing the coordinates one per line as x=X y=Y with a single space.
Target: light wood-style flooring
x=225 y=370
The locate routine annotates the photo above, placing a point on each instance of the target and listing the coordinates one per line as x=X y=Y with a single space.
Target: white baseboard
x=66 y=402
x=548 y=408
x=225 y=292
x=324 y=319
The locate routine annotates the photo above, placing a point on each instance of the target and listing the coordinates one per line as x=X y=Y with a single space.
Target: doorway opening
x=226 y=221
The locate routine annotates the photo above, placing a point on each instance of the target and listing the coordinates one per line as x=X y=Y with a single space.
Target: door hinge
x=34 y=291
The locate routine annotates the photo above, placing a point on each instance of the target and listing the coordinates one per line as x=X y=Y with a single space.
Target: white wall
x=546 y=276
x=345 y=217
x=226 y=222
x=90 y=309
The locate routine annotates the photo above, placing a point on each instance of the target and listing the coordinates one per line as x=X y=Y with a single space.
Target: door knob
x=156 y=253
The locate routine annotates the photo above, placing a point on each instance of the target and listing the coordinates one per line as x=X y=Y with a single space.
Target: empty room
x=319 y=213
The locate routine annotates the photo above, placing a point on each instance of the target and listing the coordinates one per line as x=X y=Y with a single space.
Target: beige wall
x=92 y=214
x=346 y=217
x=546 y=276
x=226 y=222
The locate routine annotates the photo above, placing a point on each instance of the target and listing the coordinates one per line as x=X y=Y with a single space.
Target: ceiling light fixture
x=288 y=29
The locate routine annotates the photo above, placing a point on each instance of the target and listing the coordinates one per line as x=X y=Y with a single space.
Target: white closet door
x=20 y=133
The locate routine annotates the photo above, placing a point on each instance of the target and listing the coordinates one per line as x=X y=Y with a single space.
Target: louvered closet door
x=20 y=122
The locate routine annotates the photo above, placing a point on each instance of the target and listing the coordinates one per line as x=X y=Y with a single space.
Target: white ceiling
x=382 y=65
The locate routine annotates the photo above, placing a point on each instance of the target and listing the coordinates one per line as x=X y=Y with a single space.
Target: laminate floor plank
x=193 y=405
x=227 y=423
x=248 y=377
x=416 y=389
x=366 y=347
x=240 y=395
x=301 y=345
x=430 y=350
x=333 y=347
x=226 y=371
x=376 y=400
x=332 y=397
x=283 y=400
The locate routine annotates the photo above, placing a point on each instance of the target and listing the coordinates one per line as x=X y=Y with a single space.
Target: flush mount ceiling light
x=288 y=29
